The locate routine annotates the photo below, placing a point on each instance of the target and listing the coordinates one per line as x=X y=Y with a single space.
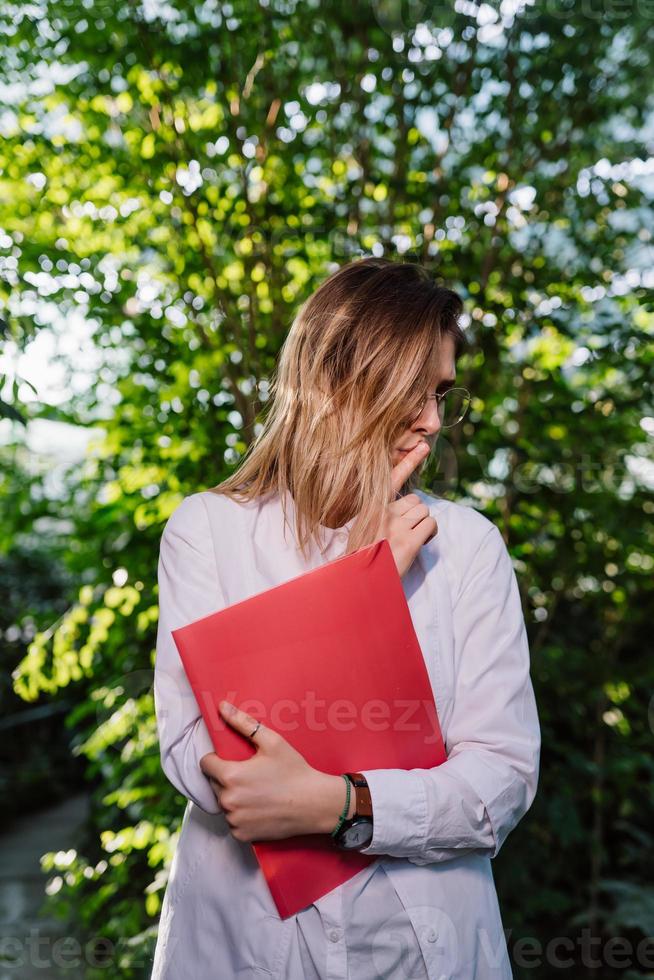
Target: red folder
x=330 y=659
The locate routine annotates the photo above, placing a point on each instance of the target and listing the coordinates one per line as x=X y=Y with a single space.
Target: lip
x=410 y=449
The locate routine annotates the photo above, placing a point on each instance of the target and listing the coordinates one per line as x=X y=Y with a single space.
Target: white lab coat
x=435 y=830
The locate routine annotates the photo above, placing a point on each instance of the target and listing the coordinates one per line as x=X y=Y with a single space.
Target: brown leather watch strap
x=362 y=792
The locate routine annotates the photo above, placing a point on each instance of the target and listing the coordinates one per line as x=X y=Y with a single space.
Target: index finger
x=247 y=725
x=403 y=470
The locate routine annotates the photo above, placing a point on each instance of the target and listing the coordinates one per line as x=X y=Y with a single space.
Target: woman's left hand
x=275 y=793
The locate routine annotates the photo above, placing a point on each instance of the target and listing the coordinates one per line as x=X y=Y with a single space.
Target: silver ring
x=252 y=734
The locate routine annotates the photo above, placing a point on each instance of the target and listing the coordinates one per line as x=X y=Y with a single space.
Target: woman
x=360 y=386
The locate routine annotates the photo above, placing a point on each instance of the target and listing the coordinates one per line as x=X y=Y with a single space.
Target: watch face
x=358 y=835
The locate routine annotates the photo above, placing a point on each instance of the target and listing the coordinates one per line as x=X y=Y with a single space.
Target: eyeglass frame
x=439 y=396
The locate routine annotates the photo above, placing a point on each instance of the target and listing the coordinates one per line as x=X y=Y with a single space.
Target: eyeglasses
x=452 y=406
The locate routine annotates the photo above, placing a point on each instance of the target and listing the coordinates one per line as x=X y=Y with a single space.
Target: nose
x=429 y=420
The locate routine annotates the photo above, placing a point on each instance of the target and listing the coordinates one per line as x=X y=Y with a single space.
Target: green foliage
x=183 y=176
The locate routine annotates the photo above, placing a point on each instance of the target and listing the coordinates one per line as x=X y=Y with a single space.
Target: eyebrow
x=446 y=383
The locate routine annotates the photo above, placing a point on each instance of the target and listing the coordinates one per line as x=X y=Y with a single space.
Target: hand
x=275 y=793
x=406 y=523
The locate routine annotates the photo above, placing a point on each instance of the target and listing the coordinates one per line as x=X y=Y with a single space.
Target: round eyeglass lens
x=453 y=406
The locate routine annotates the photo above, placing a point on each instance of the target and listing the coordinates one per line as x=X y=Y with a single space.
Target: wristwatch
x=356 y=832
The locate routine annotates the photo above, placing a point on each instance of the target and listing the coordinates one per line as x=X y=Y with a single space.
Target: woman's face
x=427 y=425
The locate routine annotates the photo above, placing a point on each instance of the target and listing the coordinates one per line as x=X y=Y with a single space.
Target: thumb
x=211 y=765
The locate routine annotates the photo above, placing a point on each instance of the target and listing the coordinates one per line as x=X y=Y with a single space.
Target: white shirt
x=435 y=830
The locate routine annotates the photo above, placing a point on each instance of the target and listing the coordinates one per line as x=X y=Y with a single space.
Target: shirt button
x=432 y=936
x=334 y=935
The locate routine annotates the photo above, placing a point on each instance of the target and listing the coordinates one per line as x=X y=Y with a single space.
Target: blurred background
x=175 y=179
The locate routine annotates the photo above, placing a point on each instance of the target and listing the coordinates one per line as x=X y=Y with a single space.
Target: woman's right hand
x=406 y=522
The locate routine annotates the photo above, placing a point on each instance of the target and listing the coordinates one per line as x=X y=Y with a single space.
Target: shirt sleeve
x=188 y=590
x=475 y=798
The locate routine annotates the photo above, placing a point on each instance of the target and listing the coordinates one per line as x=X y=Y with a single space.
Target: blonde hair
x=357 y=361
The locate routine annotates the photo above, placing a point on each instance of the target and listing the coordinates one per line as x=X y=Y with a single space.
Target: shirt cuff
x=394 y=793
x=188 y=777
